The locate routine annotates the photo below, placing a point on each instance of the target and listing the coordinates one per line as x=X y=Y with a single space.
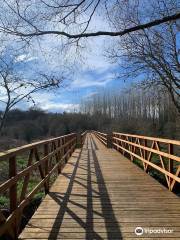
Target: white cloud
x=85 y=80
x=25 y=58
x=60 y=107
x=48 y=102
x=88 y=82
x=93 y=71
x=90 y=95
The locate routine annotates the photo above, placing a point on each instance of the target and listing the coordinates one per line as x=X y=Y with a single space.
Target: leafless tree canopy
x=70 y=18
x=151 y=55
x=146 y=43
x=134 y=110
x=16 y=87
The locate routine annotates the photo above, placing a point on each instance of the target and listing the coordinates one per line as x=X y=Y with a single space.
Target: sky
x=91 y=74
x=90 y=69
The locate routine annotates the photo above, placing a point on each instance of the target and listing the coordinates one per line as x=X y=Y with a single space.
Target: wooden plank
x=93 y=235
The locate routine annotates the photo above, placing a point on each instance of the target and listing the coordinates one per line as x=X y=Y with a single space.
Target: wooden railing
x=42 y=160
x=83 y=136
x=103 y=137
x=154 y=154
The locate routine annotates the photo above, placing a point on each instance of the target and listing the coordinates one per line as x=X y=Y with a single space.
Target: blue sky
x=84 y=83
x=89 y=75
x=90 y=69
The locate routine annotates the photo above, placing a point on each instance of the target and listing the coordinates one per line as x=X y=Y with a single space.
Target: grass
x=138 y=163
x=31 y=185
x=160 y=177
x=21 y=162
x=33 y=181
x=4 y=202
x=4 y=199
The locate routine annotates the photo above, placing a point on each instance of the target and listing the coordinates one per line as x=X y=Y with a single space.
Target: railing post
x=46 y=152
x=13 y=189
x=79 y=140
x=71 y=145
x=145 y=156
x=13 y=192
x=75 y=142
x=145 y=151
x=170 y=163
x=109 y=140
x=65 y=148
x=59 y=156
x=61 y=153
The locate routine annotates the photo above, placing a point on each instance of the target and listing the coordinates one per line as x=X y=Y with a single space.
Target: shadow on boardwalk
x=87 y=162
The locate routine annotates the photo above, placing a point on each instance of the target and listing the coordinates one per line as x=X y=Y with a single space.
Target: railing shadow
x=111 y=223
x=88 y=157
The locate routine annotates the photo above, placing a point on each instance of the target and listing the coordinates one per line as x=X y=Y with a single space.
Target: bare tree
x=151 y=55
x=14 y=87
x=58 y=17
x=134 y=110
x=149 y=48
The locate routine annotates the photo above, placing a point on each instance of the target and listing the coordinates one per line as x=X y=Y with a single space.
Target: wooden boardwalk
x=102 y=195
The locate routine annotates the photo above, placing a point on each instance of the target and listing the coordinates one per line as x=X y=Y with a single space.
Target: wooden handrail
x=83 y=136
x=164 y=154
x=14 y=151
x=146 y=148
x=46 y=157
x=143 y=148
x=163 y=140
x=101 y=136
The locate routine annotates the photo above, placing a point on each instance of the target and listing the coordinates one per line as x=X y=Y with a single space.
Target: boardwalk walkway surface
x=102 y=195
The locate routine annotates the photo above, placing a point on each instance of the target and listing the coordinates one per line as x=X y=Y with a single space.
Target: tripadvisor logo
x=139 y=231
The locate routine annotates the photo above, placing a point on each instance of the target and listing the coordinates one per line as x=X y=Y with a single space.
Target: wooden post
x=69 y=147
x=74 y=142
x=13 y=189
x=170 y=164
x=66 y=148
x=13 y=192
x=59 y=155
x=46 y=152
x=109 y=140
x=145 y=156
x=145 y=151
x=79 y=140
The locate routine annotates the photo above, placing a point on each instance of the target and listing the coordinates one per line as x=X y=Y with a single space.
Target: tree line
x=134 y=110
x=144 y=45
x=23 y=127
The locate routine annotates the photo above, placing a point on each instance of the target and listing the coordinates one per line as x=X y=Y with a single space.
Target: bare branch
x=94 y=34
